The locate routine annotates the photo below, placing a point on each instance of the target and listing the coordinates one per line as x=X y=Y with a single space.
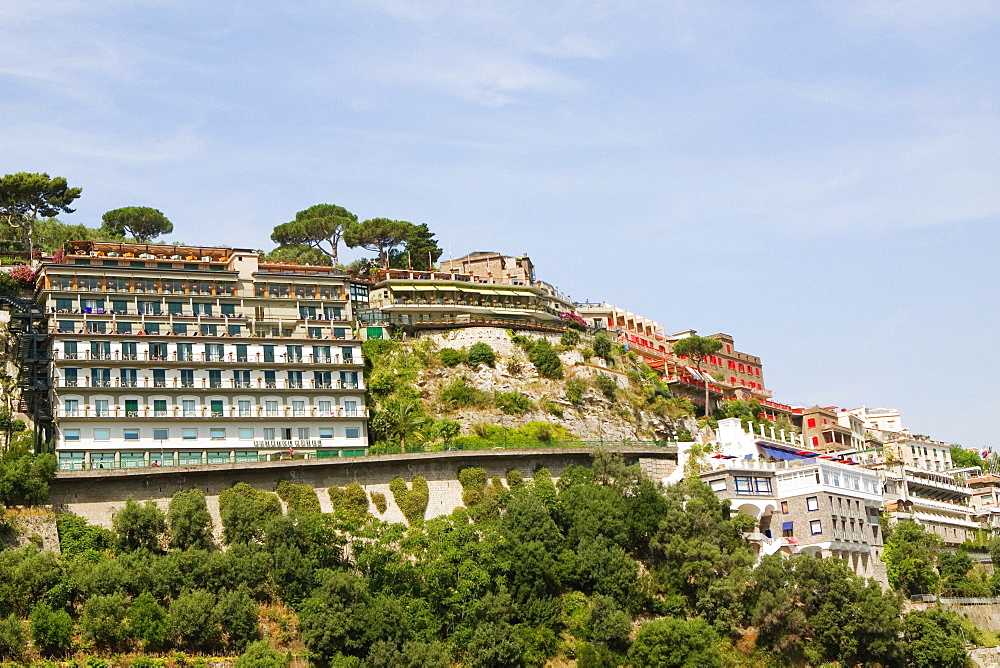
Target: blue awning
x=778 y=453
x=786 y=526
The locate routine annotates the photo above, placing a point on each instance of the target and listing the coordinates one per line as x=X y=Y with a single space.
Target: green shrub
x=299 y=498
x=189 y=524
x=575 y=388
x=460 y=394
x=139 y=525
x=260 y=654
x=147 y=622
x=194 y=621
x=412 y=501
x=238 y=613
x=77 y=536
x=513 y=403
x=473 y=481
x=13 y=638
x=514 y=479
x=451 y=357
x=570 y=338
x=244 y=512
x=103 y=620
x=607 y=385
x=350 y=499
x=546 y=359
x=381 y=504
x=587 y=353
x=481 y=353
x=553 y=409
x=602 y=346
x=446 y=429
x=51 y=630
x=521 y=341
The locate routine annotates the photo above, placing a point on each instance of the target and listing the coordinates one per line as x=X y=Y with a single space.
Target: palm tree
x=698 y=348
x=406 y=418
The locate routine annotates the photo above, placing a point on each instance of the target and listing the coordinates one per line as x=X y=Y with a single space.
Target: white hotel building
x=171 y=355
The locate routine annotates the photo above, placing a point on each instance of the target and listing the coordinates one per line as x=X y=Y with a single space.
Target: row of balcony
x=205 y=412
x=205 y=383
x=90 y=331
x=88 y=314
x=256 y=358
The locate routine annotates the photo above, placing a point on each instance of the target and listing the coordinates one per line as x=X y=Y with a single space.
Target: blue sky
x=819 y=180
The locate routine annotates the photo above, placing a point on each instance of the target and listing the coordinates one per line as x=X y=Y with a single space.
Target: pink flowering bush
x=22 y=274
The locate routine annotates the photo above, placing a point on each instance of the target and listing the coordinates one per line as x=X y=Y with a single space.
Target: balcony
x=205 y=383
x=207 y=413
x=228 y=358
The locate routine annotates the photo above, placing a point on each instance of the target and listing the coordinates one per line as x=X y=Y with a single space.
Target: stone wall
x=34 y=526
x=97 y=495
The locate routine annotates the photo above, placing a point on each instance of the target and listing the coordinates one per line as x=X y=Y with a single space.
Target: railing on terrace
x=256 y=358
x=205 y=383
x=522 y=445
x=474 y=320
x=768 y=432
x=201 y=412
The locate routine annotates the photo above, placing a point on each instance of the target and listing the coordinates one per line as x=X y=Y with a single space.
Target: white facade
x=221 y=359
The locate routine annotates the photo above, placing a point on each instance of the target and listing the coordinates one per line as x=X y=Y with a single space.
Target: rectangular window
x=352 y=432
x=812 y=503
x=99 y=327
x=303 y=433
x=209 y=330
x=159 y=408
x=187 y=407
x=161 y=434
x=246 y=434
x=295 y=379
x=811 y=422
x=71 y=407
x=244 y=407
x=202 y=308
x=216 y=408
x=131 y=408
x=718 y=485
x=217 y=434
x=102 y=434
x=271 y=408
x=268 y=433
x=326 y=432
x=180 y=328
x=214 y=378
x=241 y=352
x=270 y=380
x=298 y=408
x=347 y=352
x=234 y=330
x=762 y=485
x=784 y=507
x=816 y=527
x=214 y=352
x=131 y=434
x=67 y=325
x=123 y=327
x=189 y=434
x=324 y=407
x=314 y=332
x=228 y=309
x=71 y=434
x=187 y=377
x=743 y=485
x=268 y=353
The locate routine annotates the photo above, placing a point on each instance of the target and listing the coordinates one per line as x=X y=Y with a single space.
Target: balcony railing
x=255 y=358
x=207 y=412
x=205 y=383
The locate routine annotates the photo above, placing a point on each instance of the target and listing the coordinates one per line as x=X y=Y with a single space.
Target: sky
x=819 y=180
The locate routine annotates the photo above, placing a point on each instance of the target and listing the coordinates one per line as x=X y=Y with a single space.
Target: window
x=161 y=434
x=718 y=485
x=816 y=527
x=131 y=434
x=187 y=407
x=246 y=434
x=209 y=330
x=268 y=433
x=353 y=432
x=180 y=328
x=102 y=434
x=71 y=407
x=101 y=407
x=811 y=422
x=159 y=407
x=271 y=408
x=812 y=503
x=124 y=327
x=303 y=433
x=324 y=407
x=71 y=434
x=217 y=408
x=202 y=309
x=762 y=485
x=244 y=407
x=214 y=378
x=784 y=507
x=295 y=379
x=326 y=432
x=217 y=434
x=743 y=485
x=189 y=434
x=159 y=377
x=298 y=408
x=350 y=408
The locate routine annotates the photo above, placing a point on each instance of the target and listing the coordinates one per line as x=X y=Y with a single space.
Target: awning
x=785 y=526
x=519 y=293
x=404 y=288
x=777 y=453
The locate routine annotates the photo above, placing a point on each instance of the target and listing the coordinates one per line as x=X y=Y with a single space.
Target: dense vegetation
x=604 y=567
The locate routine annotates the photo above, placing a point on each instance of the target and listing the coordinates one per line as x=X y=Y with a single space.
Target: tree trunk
x=707 y=415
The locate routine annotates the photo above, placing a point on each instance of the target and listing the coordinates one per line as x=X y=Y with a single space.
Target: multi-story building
x=491 y=267
x=172 y=355
x=803 y=502
x=879 y=421
x=434 y=299
x=830 y=429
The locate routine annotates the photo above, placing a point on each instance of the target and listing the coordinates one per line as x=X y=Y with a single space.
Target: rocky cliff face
x=626 y=415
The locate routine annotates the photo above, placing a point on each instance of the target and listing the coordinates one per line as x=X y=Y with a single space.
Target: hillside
x=467 y=387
